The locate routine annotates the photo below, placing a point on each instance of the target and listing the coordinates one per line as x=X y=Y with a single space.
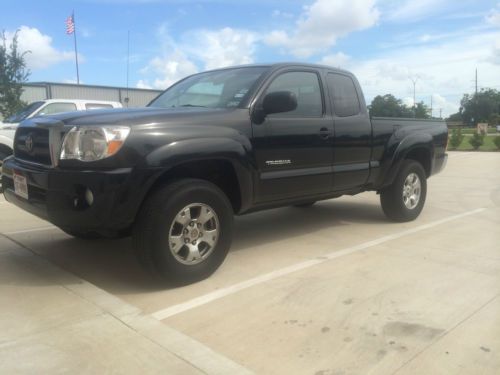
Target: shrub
x=456 y=138
x=496 y=141
x=476 y=140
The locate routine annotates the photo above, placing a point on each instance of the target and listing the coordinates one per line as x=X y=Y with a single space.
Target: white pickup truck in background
x=42 y=108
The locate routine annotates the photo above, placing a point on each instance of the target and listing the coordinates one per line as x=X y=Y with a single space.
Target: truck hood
x=140 y=116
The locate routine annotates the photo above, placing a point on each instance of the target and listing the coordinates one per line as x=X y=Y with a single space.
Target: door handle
x=325 y=133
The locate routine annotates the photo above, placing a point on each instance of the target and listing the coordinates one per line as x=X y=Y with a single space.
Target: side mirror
x=279 y=101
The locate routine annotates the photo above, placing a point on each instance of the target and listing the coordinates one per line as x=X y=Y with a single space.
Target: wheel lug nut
x=194 y=242
x=186 y=231
x=191 y=224
x=186 y=240
x=199 y=225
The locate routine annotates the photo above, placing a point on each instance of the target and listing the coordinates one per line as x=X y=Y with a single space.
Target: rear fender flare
x=409 y=143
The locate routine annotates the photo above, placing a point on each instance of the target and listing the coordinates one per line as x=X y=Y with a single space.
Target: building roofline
x=45 y=84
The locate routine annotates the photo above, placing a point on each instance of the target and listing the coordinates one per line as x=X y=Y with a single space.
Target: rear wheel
x=404 y=199
x=183 y=232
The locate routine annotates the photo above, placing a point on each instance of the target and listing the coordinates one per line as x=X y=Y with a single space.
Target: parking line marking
x=221 y=293
x=31 y=230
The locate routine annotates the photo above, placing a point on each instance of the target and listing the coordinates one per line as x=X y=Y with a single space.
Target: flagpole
x=128 y=62
x=76 y=50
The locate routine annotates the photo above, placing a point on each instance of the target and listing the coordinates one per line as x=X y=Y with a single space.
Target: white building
x=131 y=97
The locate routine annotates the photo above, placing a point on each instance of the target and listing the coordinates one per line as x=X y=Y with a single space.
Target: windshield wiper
x=193 y=105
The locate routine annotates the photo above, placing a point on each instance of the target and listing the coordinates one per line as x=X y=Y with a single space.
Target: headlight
x=90 y=143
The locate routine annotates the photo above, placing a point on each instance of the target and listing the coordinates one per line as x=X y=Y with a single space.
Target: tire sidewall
x=408 y=168
x=168 y=208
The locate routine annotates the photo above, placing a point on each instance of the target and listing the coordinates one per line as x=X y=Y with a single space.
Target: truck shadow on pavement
x=111 y=264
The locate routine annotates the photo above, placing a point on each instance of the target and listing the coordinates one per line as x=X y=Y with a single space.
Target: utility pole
x=440 y=112
x=475 y=102
x=414 y=80
x=431 y=106
x=476 y=81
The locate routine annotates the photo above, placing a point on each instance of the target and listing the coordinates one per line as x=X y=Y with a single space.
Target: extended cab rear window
x=53 y=108
x=343 y=93
x=89 y=106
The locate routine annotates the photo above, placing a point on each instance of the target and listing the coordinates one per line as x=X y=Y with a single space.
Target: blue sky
x=384 y=42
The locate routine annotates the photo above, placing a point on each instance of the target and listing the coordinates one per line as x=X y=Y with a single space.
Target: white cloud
x=141 y=84
x=168 y=69
x=202 y=49
x=224 y=47
x=41 y=53
x=442 y=106
x=494 y=16
x=408 y=101
x=414 y=10
x=446 y=70
x=495 y=54
x=338 y=60
x=72 y=81
x=322 y=23
x=278 y=13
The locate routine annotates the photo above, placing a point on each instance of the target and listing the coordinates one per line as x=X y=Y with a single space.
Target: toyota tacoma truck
x=217 y=144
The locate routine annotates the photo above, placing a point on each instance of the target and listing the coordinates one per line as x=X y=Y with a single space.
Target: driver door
x=293 y=150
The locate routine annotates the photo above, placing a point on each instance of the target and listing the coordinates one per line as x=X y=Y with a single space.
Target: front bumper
x=59 y=196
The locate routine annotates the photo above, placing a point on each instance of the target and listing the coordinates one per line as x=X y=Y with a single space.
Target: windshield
x=24 y=113
x=219 y=89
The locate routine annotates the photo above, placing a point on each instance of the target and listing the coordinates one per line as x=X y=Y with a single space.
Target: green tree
x=456 y=138
x=479 y=107
x=385 y=106
x=476 y=140
x=494 y=119
x=496 y=141
x=389 y=106
x=455 y=117
x=13 y=73
x=422 y=111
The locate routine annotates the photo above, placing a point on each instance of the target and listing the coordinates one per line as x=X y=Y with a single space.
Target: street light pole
x=414 y=81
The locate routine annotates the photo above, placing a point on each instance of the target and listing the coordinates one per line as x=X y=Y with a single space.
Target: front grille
x=32 y=145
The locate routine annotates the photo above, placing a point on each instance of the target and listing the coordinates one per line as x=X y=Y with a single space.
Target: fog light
x=89 y=197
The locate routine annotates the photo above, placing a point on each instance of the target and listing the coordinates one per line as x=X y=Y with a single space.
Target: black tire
x=392 y=199
x=157 y=219
x=304 y=205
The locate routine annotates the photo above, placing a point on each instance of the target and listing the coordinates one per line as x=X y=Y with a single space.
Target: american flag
x=70 y=25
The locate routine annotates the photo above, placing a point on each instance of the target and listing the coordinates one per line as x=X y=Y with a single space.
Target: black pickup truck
x=219 y=143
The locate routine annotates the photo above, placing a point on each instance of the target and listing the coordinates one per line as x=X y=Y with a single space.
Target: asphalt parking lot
x=331 y=289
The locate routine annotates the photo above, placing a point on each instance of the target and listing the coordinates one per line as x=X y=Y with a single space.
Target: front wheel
x=184 y=230
x=404 y=199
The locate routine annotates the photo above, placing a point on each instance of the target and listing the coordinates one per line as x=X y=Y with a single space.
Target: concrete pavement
x=332 y=289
